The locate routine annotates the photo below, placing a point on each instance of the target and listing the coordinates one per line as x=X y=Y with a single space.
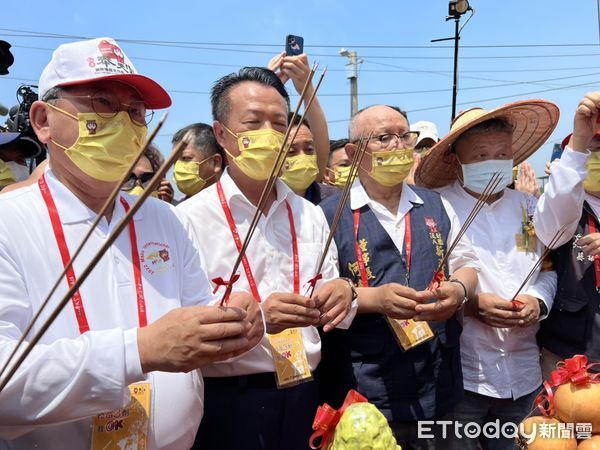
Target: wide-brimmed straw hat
x=533 y=122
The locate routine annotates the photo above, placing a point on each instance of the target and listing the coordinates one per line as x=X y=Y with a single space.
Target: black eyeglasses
x=107 y=105
x=143 y=180
x=409 y=139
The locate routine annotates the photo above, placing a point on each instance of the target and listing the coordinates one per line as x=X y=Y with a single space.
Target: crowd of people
x=419 y=305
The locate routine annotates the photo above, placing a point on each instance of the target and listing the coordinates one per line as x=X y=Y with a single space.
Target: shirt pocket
x=309 y=255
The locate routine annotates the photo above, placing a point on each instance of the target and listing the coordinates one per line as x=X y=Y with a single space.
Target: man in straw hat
x=390 y=241
x=116 y=367
x=499 y=354
x=571 y=201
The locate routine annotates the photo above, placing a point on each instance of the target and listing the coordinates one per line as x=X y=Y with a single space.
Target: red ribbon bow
x=438 y=277
x=313 y=281
x=571 y=370
x=222 y=282
x=327 y=419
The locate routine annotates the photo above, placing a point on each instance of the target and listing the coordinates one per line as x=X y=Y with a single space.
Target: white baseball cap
x=427 y=130
x=99 y=59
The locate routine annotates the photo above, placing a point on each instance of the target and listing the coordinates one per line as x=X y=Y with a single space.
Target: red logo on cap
x=111 y=51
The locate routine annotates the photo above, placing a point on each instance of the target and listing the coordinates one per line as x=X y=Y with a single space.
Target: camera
x=19 y=122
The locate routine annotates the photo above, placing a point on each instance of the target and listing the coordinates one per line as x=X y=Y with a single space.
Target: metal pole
x=455 y=84
x=354 y=84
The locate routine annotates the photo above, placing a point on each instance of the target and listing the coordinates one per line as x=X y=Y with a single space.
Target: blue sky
x=555 y=69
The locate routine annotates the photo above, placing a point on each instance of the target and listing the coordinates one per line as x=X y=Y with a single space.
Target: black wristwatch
x=543 y=308
x=351 y=284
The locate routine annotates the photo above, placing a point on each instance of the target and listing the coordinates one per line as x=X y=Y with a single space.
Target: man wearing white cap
x=115 y=369
x=499 y=353
x=428 y=135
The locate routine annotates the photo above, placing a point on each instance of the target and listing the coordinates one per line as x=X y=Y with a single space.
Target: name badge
x=124 y=428
x=289 y=356
x=526 y=243
x=409 y=333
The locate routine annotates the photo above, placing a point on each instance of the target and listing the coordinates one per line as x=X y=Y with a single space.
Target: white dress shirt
x=394 y=225
x=501 y=362
x=269 y=255
x=561 y=203
x=70 y=377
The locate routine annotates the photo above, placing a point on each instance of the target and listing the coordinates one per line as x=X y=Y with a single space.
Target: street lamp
x=456 y=8
x=352 y=75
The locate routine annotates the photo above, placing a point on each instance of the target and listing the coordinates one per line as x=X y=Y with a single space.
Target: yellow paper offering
x=124 y=428
x=409 y=333
x=289 y=355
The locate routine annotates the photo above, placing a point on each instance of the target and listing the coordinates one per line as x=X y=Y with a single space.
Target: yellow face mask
x=187 y=178
x=300 y=171
x=105 y=148
x=592 y=181
x=390 y=168
x=6 y=175
x=258 y=151
x=340 y=176
x=138 y=190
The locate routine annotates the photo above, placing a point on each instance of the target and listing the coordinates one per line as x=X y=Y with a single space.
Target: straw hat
x=533 y=121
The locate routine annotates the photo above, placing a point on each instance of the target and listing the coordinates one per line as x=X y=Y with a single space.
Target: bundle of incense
x=438 y=276
x=353 y=173
x=124 y=222
x=270 y=184
x=536 y=266
x=107 y=204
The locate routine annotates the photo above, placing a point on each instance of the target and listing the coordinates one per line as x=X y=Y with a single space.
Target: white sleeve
x=562 y=201
x=544 y=288
x=463 y=254
x=330 y=269
x=196 y=287
x=66 y=380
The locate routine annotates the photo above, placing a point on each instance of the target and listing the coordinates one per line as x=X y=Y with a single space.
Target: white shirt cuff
x=133 y=365
x=575 y=161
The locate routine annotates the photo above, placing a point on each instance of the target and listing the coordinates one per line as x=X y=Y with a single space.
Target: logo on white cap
x=111 y=60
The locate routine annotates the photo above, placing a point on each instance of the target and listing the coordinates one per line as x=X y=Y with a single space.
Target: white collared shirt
x=501 y=362
x=69 y=376
x=561 y=203
x=269 y=255
x=394 y=225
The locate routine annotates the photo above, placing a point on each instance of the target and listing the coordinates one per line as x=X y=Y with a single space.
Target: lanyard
x=238 y=244
x=594 y=229
x=359 y=254
x=66 y=257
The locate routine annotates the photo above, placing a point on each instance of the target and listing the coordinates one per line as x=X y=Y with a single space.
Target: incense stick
x=356 y=160
x=160 y=173
x=540 y=261
x=107 y=204
x=277 y=166
x=481 y=201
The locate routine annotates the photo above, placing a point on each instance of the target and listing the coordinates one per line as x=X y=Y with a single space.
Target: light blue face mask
x=476 y=176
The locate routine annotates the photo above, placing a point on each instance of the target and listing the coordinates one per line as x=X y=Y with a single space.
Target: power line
x=522 y=94
x=321 y=55
x=423 y=91
x=30 y=33
x=399 y=69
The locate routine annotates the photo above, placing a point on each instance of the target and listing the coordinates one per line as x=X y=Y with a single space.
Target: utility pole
x=352 y=75
x=456 y=8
